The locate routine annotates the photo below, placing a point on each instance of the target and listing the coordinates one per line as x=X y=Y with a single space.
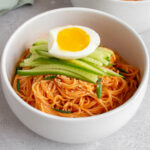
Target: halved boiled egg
x=72 y=42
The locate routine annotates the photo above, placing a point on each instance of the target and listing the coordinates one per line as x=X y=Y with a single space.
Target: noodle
x=77 y=96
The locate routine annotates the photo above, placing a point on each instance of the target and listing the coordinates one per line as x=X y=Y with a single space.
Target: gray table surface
x=15 y=136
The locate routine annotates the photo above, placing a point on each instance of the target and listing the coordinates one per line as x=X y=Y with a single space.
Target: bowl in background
x=135 y=13
x=75 y=130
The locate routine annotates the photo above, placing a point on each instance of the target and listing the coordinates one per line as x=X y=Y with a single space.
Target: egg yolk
x=73 y=39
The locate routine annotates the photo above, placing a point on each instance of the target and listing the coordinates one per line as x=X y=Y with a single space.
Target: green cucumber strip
x=110 y=72
x=32 y=57
x=91 y=61
x=107 y=51
x=38 y=47
x=87 y=75
x=62 y=111
x=102 y=54
x=52 y=72
x=104 y=51
x=29 y=61
x=106 y=71
x=29 y=64
x=104 y=61
x=40 y=42
x=85 y=66
x=74 y=63
x=42 y=53
x=46 y=69
x=49 y=77
x=39 y=61
x=91 y=68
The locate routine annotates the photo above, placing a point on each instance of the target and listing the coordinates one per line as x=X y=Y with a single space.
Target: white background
x=15 y=136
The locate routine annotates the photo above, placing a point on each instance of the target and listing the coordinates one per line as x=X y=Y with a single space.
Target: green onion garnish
x=18 y=85
x=29 y=55
x=99 y=80
x=62 y=111
x=99 y=90
x=121 y=70
x=49 y=77
x=34 y=44
x=107 y=58
x=109 y=65
x=18 y=68
x=122 y=75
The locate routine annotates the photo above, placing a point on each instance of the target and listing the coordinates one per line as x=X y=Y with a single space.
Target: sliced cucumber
x=33 y=49
x=102 y=51
x=106 y=71
x=102 y=54
x=42 y=53
x=27 y=62
x=47 y=69
x=38 y=61
x=40 y=42
x=74 y=63
x=110 y=72
x=33 y=56
x=91 y=61
x=91 y=68
x=104 y=61
x=52 y=71
x=86 y=66
x=106 y=50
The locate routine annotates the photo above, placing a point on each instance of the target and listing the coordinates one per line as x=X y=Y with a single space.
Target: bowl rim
x=4 y=76
x=130 y=2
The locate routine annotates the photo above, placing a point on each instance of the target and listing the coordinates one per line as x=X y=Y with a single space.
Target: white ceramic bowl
x=135 y=13
x=75 y=130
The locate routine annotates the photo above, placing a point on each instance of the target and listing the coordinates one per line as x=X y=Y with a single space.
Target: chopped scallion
x=18 y=68
x=49 y=77
x=29 y=55
x=99 y=80
x=121 y=70
x=122 y=75
x=99 y=90
x=107 y=58
x=62 y=111
x=18 y=85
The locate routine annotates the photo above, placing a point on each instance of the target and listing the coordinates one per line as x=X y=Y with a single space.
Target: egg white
x=55 y=51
